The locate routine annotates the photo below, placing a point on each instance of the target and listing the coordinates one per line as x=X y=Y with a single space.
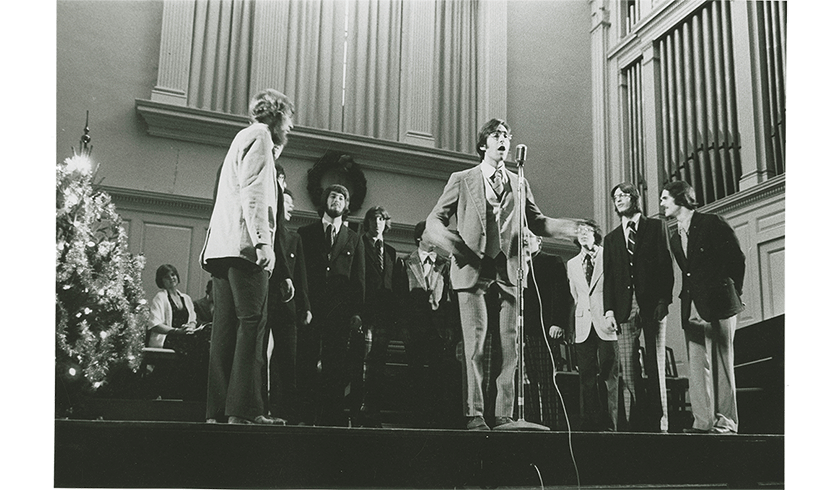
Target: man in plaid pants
x=639 y=279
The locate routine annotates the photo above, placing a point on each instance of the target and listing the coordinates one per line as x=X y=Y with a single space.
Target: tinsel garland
x=100 y=306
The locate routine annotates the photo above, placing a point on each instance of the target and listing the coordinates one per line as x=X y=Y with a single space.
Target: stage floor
x=119 y=454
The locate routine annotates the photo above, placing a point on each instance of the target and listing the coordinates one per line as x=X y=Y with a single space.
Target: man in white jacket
x=596 y=340
x=238 y=254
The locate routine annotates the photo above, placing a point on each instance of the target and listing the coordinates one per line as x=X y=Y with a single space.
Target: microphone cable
x=553 y=365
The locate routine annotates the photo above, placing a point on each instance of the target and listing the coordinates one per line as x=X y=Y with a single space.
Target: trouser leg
x=726 y=408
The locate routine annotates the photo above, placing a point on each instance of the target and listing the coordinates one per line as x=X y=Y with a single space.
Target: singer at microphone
x=485 y=252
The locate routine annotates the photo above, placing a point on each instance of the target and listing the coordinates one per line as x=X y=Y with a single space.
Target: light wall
x=549 y=101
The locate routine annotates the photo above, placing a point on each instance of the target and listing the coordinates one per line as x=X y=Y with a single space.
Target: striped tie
x=631 y=240
x=497 y=182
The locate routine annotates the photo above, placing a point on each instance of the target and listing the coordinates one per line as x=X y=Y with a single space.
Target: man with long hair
x=639 y=279
x=238 y=252
x=713 y=267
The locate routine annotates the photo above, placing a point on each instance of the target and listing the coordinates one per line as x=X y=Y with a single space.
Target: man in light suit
x=238 y=252
x=638 y=284
x=335 y=271
x=485 y=247
x=713 y=266
x=596 y=341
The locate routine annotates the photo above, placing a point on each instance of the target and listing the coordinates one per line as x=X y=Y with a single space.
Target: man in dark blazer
x=335 y=271
x=713 y=266
x=638 y=287
x=283 y=321
x=547 y=303
x=379 y=317
x=485 y=246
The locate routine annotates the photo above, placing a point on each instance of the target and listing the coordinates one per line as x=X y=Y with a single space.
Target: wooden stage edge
x=131 y=454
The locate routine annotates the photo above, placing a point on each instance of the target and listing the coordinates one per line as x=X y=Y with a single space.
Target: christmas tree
x=99 y=301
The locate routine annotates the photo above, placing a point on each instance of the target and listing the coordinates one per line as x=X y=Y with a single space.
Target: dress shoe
x=722 y=430
x=477 y=423
x=210 y=421
x=692 y=430
x=502 y=421
x=259 y=420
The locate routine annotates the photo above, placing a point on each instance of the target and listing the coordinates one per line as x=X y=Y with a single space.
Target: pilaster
x=175 y=49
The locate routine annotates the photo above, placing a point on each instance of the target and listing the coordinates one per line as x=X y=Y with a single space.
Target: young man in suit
x=595 y=339
x=379 y=318
x=335 y=271
x=485 y=246
x=238 y=252
x=429 y=314
x=638 y=284
x=284 y=318
x=713 y=266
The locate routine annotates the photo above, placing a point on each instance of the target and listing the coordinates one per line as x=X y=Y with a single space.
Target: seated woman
x=172 y=325
x=172 y=313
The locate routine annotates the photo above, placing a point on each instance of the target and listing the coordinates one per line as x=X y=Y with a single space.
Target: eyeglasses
x=621 y=196
x=500 y=135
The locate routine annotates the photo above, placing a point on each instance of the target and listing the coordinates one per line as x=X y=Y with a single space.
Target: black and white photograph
x=421 y=244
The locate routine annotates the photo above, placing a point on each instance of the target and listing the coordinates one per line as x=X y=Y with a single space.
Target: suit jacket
x=464 y=196
x=550 y=274
x=653 y=271
x=713 y=269
x=425 y=306
x=244 y=208
x=380 y=299
x=290 y=243
x=588 y=298
x=336 y=277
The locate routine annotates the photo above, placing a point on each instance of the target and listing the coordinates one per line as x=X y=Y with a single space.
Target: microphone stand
x=521 y=424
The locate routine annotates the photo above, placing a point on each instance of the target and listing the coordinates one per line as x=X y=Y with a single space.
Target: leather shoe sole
x=692 y=430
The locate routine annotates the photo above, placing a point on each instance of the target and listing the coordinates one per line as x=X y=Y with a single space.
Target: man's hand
x=287 y=290
x=265 y=257
x=554 y=332
x=660 y=312
x=306 y=317
x=356 y=323
x=612 y=325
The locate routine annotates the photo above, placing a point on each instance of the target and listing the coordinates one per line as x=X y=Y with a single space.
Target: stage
x=143 y=454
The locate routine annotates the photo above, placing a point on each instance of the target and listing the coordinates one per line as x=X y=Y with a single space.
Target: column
x=750 y=75
x=417 y=84
x=492 y=61
x=175 y=47
x=653 y=132
x=600 y=125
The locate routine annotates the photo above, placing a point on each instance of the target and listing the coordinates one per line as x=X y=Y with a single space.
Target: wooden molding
x=218 y=129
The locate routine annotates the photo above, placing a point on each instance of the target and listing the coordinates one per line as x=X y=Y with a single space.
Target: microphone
x=521 y=151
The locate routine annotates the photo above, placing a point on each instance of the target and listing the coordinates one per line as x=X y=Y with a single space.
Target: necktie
x=588 y=267
x=427 y=270
x=328 y=236
x=379 y=253
x=631 y=241
x=496 y=181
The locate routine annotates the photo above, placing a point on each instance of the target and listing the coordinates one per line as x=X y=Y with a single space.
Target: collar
x=423 y=256
x=325 y=220
x=684 y=223
x=593 y=253
x=635 y=219
x=487 y=170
